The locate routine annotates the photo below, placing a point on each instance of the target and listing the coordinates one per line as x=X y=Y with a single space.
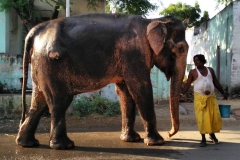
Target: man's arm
x=217 y=84
x=189 y=82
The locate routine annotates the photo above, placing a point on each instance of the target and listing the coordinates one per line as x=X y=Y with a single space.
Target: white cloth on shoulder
x=202 y=84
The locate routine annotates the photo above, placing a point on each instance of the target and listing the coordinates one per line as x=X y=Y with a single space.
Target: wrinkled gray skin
x=84 y=53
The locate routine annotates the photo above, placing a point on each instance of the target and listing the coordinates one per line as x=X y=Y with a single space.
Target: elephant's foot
x=27 y=142
x=130 y=136
x=153 y=139
x=64 y=143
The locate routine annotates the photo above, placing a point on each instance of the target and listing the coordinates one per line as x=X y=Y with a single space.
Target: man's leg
x=213 y=138
x=203 y=141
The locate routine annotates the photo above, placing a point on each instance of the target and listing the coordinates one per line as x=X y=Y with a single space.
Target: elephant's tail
x=26 y=61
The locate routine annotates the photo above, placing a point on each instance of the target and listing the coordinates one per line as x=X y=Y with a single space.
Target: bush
x=95 y=104
x=1 y=87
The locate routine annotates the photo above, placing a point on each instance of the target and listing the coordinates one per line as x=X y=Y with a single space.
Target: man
x=205 y=103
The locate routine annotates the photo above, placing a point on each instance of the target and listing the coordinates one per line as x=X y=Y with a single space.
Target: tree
x=225 y=2
x=184 y=11
x=136 y=7
x=24 y=8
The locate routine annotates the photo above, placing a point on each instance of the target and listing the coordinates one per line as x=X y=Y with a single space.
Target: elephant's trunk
x=175 y=89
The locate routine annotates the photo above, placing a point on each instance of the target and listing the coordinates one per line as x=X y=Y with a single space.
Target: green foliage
x=95 y=104
x=23 y=7
x=93 y=4
x=184 y=11
x=205 y=16
x=225 y=2
x=135 y=7
x=1 y=87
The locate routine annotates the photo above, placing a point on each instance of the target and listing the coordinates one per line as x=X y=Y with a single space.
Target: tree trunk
x=26 y=17
x=55 y=12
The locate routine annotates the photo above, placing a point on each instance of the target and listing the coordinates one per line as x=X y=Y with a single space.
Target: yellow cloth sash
x=207 y=113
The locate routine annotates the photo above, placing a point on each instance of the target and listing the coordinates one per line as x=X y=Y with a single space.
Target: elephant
x=83 y=53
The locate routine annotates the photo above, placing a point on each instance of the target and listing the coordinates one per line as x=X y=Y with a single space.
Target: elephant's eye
x=181 y=49
x=174 y=34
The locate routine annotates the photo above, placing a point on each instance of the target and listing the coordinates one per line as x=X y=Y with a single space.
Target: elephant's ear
x=156 y=34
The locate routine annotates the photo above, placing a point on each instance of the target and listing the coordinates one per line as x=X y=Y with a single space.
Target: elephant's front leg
x=128 y=111
x=58 y=133
x=141 y=91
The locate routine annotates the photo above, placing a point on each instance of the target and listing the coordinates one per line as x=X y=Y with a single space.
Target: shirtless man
x=206 y=108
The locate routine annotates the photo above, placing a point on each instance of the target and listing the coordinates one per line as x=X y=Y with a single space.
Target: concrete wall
x=4 y=31
x=10 y=72
x=16 y=39
x=161 y=87
x=10 y=31
x=11 y=51
x=10 y=105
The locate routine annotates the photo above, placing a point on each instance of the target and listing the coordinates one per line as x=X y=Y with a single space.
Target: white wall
x=217 y=32
x=235 y=68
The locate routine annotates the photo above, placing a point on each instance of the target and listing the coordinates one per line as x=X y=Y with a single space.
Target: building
x=218 y=39
x=12 y=39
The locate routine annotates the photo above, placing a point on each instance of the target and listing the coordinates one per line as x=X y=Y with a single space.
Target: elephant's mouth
x=168 y=73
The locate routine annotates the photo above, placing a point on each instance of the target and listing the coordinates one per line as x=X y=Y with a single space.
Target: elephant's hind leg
x=26 y=133
x=128 y=111
x=58 y=134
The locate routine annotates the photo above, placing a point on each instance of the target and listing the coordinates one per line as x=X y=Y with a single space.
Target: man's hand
x=181 y=95
x=225 y=96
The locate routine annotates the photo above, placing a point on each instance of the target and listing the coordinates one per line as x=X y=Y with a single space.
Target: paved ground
x=98 y=138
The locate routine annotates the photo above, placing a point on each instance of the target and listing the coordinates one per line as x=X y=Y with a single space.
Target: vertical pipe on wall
x=227 y=26
x=226 y=54
x=218 y=62
x=67 y=8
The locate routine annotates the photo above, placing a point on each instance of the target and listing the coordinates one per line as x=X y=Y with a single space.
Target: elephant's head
x=166 y=37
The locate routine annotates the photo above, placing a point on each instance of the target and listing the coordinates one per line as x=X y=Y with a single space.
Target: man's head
x=199 y=58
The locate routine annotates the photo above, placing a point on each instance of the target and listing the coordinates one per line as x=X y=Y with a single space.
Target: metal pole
x=67 y=8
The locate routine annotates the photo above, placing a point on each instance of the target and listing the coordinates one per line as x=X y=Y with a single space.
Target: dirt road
x=98 y=138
